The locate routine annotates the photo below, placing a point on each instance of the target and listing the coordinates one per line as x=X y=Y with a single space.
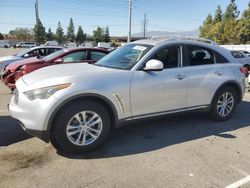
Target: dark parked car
x=74 y=55
x=36 y=51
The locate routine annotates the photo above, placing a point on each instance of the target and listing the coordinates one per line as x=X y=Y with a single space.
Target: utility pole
x=144 y=25
x=37 y=13
x=129 y=19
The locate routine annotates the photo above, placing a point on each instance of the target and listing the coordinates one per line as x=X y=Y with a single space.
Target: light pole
x=129 y=19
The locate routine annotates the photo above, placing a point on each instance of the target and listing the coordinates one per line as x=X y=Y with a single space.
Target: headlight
x=45 y=92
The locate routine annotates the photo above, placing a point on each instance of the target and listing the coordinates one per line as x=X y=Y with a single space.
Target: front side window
x=169 y=56
x=124 y=57
x=75 y=57
x=199 y=56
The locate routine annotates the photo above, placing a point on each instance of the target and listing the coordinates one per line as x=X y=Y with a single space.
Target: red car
x=74 y=55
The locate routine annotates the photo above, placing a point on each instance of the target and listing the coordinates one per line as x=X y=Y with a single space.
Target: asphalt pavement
x=187 y=150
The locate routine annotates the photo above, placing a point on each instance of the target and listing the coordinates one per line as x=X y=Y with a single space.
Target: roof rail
x=186 y=38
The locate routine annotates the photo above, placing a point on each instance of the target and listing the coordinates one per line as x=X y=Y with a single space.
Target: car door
x=160 y=91
x=204 y=75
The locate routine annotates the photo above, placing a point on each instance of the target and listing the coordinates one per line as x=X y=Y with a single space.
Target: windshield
x=53 y=55
x=124 y=57
x=22 y=53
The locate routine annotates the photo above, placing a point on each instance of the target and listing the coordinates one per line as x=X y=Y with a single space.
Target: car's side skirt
x=202 y=107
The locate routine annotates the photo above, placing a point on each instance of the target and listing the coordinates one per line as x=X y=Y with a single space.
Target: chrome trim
x=167 y=112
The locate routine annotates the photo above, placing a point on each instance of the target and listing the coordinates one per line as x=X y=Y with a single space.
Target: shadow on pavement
x=10 y=131
x=157 y=133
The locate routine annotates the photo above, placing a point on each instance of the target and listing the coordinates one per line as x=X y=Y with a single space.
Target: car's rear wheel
x=224 y=104
x=81 y=127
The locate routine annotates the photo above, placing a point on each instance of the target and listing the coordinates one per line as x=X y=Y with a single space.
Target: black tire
x=214 y=114
x=59 y=138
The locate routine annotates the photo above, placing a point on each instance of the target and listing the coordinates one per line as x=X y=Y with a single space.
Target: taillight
x=244 y=70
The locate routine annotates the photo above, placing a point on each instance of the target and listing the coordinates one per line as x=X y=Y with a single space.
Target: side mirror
x=153 y=65
x=26 y=55
x=58 y=61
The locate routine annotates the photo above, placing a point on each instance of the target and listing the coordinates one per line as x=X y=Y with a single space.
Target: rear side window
x=199 y=56
x=237 y=54
x=169 y=56
x=95 y=55
x=220 y=59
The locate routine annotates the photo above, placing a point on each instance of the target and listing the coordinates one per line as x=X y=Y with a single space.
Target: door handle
x=219 y=73
x=180 y=76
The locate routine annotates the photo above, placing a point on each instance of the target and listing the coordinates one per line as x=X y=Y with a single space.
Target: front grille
x=16 y=96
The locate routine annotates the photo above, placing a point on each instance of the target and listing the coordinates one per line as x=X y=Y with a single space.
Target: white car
x=26 y=45
x=75 y=105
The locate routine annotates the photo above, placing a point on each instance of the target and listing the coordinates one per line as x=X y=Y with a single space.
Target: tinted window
x=75 y=57
x=169 y=56
x=219 y=58
x=52 y=50
x=199 y=56
x=95 y=55
x=237 y=54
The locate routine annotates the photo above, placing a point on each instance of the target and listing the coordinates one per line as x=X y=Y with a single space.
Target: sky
x=162 y=15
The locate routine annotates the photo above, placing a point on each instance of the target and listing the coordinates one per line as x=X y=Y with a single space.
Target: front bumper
x=33 y=116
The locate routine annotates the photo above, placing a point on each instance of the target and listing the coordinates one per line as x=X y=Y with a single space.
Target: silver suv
x=75 y=105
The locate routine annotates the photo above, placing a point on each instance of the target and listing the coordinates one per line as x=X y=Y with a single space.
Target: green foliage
x=39 y=33
x=21 y=34
x=71 y=31
x=205 y=30
x=49 y=35
x=59 y=33
x=243 y=35
x=231 y=11
x=226 y=28
x=218 y=15
x=80 y=36
x=98 y=35
x=106 y=35
x=1 y=36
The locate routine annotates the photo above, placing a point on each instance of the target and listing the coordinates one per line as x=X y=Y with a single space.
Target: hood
x=63 y=72
x=6 y=58
x=17 y=64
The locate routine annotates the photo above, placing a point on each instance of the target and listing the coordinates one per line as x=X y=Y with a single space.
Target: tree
x=71 y=31
x=243 y=35
x=21 y=34
x=80 y=36
x=231 y=11
x=218 y=15
x=59 y=33
x=106 y=35
x=49 y=35
x=205 y=29
x=98 y=35
x=1 y=36
x=39 y=32
x=230 y=32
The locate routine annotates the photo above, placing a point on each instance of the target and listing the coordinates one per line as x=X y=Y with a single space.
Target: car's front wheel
x=224 y=104
x=81 y=126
